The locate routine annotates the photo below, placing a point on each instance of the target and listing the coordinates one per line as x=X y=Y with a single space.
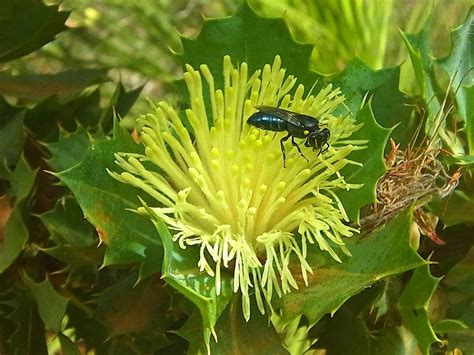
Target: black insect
x=298 y=126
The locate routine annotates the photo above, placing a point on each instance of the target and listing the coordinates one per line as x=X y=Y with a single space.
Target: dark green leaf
x=21 y=180
x=119 y=105
x=12 y=134
x=27 y=25
x=69 y=150
x=14 y=238
x=419 y=50
x=384 y=252
x=41 y=86
x=248 y=37
x=67 y=346
x=51 y=305
x=390 y=106
x=234 y=334
x=413 y=306
x=460 y=239
x=87 y=328
x=180 y=270
x=393 y=341
x=29 y=335
x=129 y=237
x=14 y=234
x=67 y=220
x=76 y=257
x=43 y=121
x=346 y=333
x=373 y=164
x=118 y=311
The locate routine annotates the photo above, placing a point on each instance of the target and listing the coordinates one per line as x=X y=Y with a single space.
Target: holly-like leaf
x=88 y=329
x=105 y=203
x=13 y=231
x=413 y=306
x=69 y=150
x=181 y=271
x=120 y=103
x=117 y=308
x=384 y=252
x=28 y=337
x=373 y=164
x=13 y=239
x=21 y=179
x=51 y=305
x=41 y=86
x=390 y=106
x=12 y=133
x=67 y=220
x=234 y=334
x=419 y=49
x=245 y=36
x=43 y=120
x=459 y=63
x=28 y=25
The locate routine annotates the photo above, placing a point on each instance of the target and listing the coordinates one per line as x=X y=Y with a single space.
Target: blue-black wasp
x=296 y=124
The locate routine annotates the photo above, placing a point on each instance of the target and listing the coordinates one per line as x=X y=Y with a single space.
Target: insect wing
x=285 y=115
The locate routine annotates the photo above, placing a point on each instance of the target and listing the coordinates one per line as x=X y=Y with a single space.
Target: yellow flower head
x=221 y=187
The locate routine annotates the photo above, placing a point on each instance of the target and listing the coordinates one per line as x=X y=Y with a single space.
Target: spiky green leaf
x=385 y=252
x=413 y=306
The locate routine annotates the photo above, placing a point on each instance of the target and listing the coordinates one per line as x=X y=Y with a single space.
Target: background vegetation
x=71 y=285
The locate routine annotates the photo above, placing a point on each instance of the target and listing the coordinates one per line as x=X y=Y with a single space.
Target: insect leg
x=327 y=146
x=298 y=148
x=282 y=146
x=323 y=150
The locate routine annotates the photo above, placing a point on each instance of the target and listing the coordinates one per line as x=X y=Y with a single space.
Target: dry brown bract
x=413 y=177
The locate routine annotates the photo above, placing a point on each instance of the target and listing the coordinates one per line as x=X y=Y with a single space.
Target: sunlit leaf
x=181 y=271
x=384 y=252
x=105 y=203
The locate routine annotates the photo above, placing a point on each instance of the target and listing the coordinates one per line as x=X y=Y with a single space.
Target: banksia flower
x=220 y=186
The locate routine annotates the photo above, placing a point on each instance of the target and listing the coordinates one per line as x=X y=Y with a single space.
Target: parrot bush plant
x=177 y=226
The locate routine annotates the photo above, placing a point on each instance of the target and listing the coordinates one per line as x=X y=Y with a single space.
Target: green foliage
x=414 y=302
x=197 y=286
x=331 y=283
x=39 y=86
x=130 y=238
x=28 y=25
x=234 y=334
x=373 y=165
x=51 y=305
x=115 y=283
x=247 y=37
x=15 y=233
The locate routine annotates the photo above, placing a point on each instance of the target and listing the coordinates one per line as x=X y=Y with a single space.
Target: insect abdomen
x=267 y=122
